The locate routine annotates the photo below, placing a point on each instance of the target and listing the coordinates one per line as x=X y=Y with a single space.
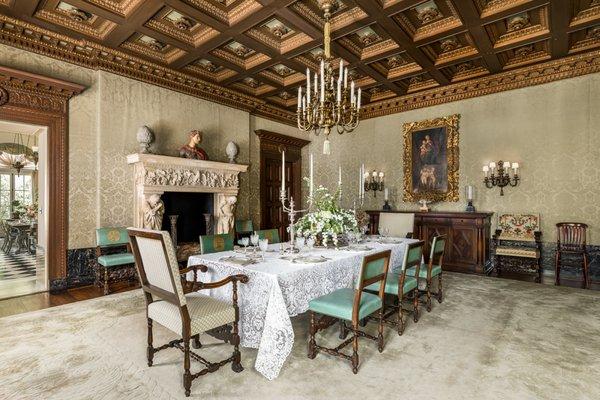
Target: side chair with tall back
x=173 y=302
x=243 y=227
x=216 y=243
x=400 y=284
x=352 y=305
x=397 y=224
x=272 y=235
x=570 y=246
x=433 y=268
x=113 y=264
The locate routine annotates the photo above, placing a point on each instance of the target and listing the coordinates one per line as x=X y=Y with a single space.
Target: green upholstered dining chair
x=108 y=243
x=432 y=268
x=351 y=305
x=270 y=234
x=215 y=243
x=243 y=227
x=401 y=285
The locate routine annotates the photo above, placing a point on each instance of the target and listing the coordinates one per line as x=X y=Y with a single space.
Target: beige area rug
x=490 y=339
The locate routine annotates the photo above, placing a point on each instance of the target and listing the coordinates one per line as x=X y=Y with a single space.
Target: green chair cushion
x=245 y=225
x=391 y=284
x=339 y=304
x=113 y=260
x=272 y=235
x=111 y=237
x=435 y=270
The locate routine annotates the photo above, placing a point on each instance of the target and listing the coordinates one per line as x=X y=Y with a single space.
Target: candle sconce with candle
x=499 y=175
x=374 y=182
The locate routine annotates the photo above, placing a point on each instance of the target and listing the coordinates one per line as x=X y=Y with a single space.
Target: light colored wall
x=552 y=130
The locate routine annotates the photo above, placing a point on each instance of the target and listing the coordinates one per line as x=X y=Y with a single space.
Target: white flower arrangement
x=327 y=221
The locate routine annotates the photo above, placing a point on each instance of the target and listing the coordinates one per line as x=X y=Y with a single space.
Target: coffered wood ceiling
x=253 y=54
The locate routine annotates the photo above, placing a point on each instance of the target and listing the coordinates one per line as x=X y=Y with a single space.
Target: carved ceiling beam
x=560 y=17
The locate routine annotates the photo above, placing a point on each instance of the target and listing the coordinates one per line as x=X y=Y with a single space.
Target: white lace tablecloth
x=279 y=289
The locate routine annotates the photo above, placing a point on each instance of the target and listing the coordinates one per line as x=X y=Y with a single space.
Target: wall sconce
x=374 y=182
x=499 y=175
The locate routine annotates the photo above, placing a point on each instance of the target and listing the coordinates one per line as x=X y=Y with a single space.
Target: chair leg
x=236 y=366
x=400 y=315
x=355 y=350
x=557 y=269
x=428 y=295
x=540 y=270
x=416 y=304
x=196 y=344
x=150 y=349
x=343 y=330
x=440 y=294
x=106 y=289
x=380 y=331
x=187 y=376
x=311 y=341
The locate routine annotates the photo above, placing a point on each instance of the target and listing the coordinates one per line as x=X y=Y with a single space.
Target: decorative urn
x=232 y=151
x=145 y=137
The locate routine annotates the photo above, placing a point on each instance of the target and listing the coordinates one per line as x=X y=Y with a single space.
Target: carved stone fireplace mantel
x=155 y=175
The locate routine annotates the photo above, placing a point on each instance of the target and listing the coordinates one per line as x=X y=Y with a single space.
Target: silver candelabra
x=291 y=211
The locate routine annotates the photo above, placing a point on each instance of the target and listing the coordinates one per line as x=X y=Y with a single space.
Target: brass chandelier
x=331 y=102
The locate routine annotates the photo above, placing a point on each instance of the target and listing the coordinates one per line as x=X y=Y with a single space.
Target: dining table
x=22 y=227
x=281 y=286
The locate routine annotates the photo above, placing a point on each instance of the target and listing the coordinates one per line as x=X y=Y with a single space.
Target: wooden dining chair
x=351 y=305
x=216 y=243
x=431 y=269
x=400 y=285
x=571 y=242
x=172 y=302
x=272 y=235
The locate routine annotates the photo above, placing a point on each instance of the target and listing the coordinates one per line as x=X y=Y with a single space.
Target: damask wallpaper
x=552 y=130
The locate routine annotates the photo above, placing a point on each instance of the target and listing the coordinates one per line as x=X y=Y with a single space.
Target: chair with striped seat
x=400 y=284
x=433 y=268
x=243 y=227
x=216 y=243
x=352 y=305
x=272 y=235
x=176 y=305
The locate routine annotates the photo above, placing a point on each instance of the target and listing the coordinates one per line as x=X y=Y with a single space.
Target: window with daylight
x=14 y=187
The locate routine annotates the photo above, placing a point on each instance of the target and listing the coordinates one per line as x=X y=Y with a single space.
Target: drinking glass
x=245 y=242
x=264 y=245
x=300 y=242
x=310 y=242
x=254 y=238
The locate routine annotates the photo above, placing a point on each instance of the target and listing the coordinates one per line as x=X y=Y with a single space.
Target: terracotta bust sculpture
x=191 y=150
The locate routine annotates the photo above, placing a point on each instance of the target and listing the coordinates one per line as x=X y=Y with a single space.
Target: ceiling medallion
x=416 y=80
x=375 y=90
x=277 y=28
x=367 y=36
x=253 y=83
x=428 y=12
x=3 y=96
x=332 y=102
x=518 y=22
x=155 y=45
x=208 y=65
x=464 y=67
x=395 y=61
x=285 y=95
x=449 y=44
x=524 y=51
x=594 y=32
x=183 y=23
x=79 y=15
x=239 y=49
x=595 y=3
x=282 y=70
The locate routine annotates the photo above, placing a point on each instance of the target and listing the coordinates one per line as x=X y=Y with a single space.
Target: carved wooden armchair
x=173 y=302
x=517 y=244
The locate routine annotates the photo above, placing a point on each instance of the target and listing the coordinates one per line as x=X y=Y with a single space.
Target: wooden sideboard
x=468 y=247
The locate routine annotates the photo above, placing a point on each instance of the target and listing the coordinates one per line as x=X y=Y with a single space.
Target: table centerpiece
x=327 y=222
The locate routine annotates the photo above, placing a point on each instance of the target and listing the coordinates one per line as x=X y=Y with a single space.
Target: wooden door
x=271 y=145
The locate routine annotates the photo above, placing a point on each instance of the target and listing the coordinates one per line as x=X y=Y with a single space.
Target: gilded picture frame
x=431 y=160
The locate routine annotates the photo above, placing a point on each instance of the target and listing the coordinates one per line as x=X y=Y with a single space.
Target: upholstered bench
x=113 y=264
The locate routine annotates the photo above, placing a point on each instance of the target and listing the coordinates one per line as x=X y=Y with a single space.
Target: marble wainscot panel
x=80 y=267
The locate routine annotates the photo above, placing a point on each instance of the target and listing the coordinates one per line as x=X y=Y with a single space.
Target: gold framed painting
x=431 y=159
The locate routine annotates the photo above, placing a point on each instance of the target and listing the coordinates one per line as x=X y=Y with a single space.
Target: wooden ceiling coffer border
x=38 y=100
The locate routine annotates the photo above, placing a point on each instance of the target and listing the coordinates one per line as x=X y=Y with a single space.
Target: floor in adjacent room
x=21 y=273
x=490 y=339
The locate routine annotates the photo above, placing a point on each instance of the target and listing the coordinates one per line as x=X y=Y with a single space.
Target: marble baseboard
x=58 y=285
x=80 y=267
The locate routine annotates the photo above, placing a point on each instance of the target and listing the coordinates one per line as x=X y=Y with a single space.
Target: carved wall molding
x=34 y=99
x=568 y=67
x=92 y=55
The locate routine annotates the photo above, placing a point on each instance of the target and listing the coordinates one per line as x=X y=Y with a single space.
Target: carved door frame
x=271 y=144
x=38 y=100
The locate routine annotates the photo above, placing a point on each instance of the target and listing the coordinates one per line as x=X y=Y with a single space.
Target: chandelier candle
x=334 y=105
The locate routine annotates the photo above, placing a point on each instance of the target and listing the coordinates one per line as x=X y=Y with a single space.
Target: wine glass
x=300 y=242
x=310 y=242
x=254 y=238
x=245 y=241
x=264 y=245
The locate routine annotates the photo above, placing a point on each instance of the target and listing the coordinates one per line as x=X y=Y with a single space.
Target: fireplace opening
x=190 y=207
